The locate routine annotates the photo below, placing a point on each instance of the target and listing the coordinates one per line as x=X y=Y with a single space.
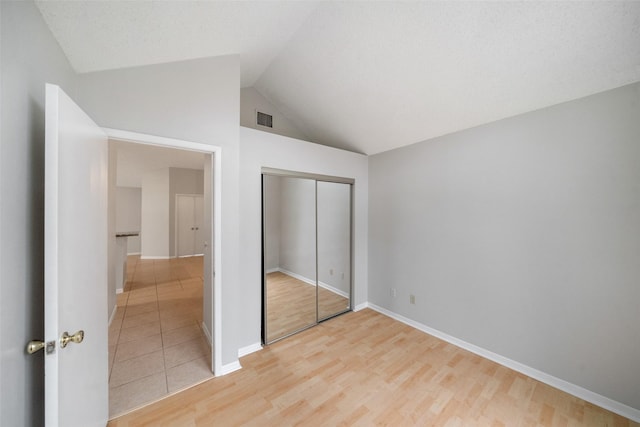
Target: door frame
x=216 y=227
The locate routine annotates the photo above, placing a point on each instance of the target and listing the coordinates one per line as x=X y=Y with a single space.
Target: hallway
x=156 y=344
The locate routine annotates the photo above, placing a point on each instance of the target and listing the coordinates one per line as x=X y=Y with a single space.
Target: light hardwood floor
x=291 y=304
x=367 y=369
x=156 y=346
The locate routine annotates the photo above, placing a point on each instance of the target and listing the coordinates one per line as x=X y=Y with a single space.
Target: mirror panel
x=334 y=248
x=289 y=208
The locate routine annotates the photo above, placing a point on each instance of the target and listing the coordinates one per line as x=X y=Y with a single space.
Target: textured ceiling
x=372 y=76
x=101 y=35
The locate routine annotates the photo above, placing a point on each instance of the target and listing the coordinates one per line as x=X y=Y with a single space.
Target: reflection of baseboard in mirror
x=307 y=250
x=291 y=303
x=311 y=282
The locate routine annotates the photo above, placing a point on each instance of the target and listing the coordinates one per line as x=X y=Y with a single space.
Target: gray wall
x=522 y=237
x=181 y=181
x=30 y=57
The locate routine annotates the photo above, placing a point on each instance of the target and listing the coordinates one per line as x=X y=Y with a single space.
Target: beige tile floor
x=156 y=345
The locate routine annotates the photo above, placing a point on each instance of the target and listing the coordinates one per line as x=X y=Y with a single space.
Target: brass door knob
x=76 y=338
x=35 y=346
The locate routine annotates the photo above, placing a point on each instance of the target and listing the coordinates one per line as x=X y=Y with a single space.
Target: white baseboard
x=187 y=256
x=272 y=270
x=113 y=313
x=207 y=334
x=134 y=253
x=575 y=390
x=229 y=368
x=121 y=290
x=224 y=369
x=361 y=306
x=243 y=351
x=154 y=257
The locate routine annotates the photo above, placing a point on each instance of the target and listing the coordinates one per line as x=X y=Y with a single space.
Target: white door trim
x=216 y=151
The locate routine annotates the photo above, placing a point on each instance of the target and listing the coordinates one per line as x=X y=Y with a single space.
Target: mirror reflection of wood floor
x=291 y=304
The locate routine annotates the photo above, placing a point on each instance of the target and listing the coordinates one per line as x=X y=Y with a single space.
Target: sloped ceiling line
x=373 y=76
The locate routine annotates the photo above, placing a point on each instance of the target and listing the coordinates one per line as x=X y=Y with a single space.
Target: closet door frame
x=316 y=178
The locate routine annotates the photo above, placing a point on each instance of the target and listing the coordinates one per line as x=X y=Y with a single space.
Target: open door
x=76 y=368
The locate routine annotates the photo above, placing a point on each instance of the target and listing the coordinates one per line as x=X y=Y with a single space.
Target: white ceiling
x=372 y=76
x=135 y=160
x=101 y=35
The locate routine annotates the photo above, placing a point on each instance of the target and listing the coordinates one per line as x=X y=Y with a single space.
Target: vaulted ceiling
x=373 y=76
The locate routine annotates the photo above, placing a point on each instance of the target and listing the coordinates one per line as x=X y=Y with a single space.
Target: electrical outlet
x=412 y=299
x=392 y=292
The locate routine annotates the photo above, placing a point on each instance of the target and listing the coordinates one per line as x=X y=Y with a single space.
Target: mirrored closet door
x=333 y=216
x=306 y=251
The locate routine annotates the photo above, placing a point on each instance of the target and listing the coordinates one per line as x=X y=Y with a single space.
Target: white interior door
x=76 y=179
x=190 y=224
x=185 y=225
x=198 y=220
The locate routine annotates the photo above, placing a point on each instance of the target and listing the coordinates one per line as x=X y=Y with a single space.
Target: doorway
x=161 y=329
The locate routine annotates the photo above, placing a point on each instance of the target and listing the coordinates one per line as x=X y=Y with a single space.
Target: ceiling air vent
x=264 y=119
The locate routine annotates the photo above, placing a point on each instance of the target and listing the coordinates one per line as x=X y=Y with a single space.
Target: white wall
x=155 y=214
x=522 y=237
x=252 y=100
x=181 y=181
x=129 y=215
x=199 y=101
x=258 y=149
x=29 y=58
